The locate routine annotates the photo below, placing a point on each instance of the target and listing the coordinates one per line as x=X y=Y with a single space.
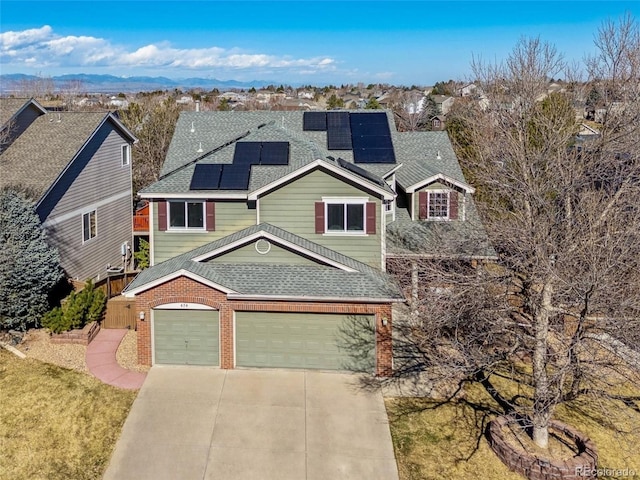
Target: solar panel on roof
x=235 y=177
x=360 y=171
x=369 y=118
x=206 y=176
x=364 y=141
x=338 y=141
x=374 y=155
x=370 y=129
x=274 y=153
x=337 y=119
x=247 y=153
x=371 y=138
x=338 y=131
x=314 y=121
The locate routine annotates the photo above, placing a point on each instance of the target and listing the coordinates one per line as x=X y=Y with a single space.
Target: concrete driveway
x=205 y=423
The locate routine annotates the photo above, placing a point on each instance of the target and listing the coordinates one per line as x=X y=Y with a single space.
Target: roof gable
x=10 y=108
x=331 y=274
x=38 y=157
x=263 y=250
x=439 y=177
x=380 y=188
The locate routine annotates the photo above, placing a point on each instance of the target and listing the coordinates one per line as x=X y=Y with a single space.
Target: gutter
x=288 y=298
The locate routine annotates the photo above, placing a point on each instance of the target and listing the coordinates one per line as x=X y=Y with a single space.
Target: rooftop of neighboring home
x=10 y=107
x=39 y=155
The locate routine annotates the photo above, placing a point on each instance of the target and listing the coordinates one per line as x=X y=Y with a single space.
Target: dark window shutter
x=162 y=215
x=319 y=217
x=422 y=205
x=371 y=217
x=453 y=205
x=211 y=215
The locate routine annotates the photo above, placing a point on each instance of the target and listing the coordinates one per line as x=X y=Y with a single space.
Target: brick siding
x=185 y=290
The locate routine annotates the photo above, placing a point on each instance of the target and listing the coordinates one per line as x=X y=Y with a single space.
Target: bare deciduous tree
x=152 y=120
x=411 y=110
x=565 y=222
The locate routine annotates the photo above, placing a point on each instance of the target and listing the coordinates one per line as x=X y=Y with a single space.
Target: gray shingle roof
x=36 y=158
x=423 y=155
x=9 y=107
x=461 y=239
x=279 y=280
x=211 y=131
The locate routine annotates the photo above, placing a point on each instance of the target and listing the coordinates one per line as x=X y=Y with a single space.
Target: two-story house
x=270 y=233
x=76 y=167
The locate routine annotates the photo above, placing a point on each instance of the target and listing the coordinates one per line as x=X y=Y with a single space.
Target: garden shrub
x=79 y=309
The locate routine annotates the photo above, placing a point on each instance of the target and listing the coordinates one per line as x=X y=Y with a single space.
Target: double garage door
x=305 y=340
x=276 y=340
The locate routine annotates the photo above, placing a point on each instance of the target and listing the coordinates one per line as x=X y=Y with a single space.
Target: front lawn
x=433 y=441
x=56 y=423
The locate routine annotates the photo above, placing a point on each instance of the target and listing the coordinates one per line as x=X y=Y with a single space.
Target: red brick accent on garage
x=185 y=290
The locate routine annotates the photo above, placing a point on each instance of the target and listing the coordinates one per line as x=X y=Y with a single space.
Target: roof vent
x=59 y=118
x=197 y=105
x=438 y=156
x=192 y=128
x=199 y=148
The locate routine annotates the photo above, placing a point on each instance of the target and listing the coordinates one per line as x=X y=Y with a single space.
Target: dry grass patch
x=56 y=423
x=436 y=441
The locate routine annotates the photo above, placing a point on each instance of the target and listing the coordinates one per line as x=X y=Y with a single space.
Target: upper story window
x=186 y=215
x=89 y=226
x=345 y=216
x=438 y=205
x=125 y=155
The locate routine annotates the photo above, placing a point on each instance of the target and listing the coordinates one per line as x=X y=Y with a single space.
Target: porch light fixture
x=142 y=316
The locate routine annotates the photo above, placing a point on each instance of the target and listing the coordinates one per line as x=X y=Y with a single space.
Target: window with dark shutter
x=162 y=215
x=319 y=217
x=371 y=218
x=453 y=205
x=211 y=216
x=422 y=205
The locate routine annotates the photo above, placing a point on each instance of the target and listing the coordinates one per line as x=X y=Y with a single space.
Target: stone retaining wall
x=517 y=459
x=82 y=336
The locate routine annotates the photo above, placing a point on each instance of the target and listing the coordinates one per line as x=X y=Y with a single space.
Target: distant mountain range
x=87 y=83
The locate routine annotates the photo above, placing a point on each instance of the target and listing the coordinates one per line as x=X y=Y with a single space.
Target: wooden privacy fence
x=121 y=313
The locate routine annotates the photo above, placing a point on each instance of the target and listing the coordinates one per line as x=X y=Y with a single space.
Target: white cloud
x=18 y=40
x=43 y=47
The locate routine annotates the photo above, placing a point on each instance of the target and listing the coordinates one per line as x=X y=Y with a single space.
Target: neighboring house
x=77 y=169
x=438 y=123
x=16 y=114
x=468 y=90
x=443 y=103
x=118 y=102
x=270 y=234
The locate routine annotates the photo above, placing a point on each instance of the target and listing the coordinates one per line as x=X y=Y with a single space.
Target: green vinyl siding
x=186 y=337
x=230 y=218
x=305 y=340
x=275 y=255
x=292 y=208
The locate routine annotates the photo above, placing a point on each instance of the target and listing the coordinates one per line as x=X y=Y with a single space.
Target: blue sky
x=290 y=42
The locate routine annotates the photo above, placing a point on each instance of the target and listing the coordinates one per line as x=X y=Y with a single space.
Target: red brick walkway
x=101 y=361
